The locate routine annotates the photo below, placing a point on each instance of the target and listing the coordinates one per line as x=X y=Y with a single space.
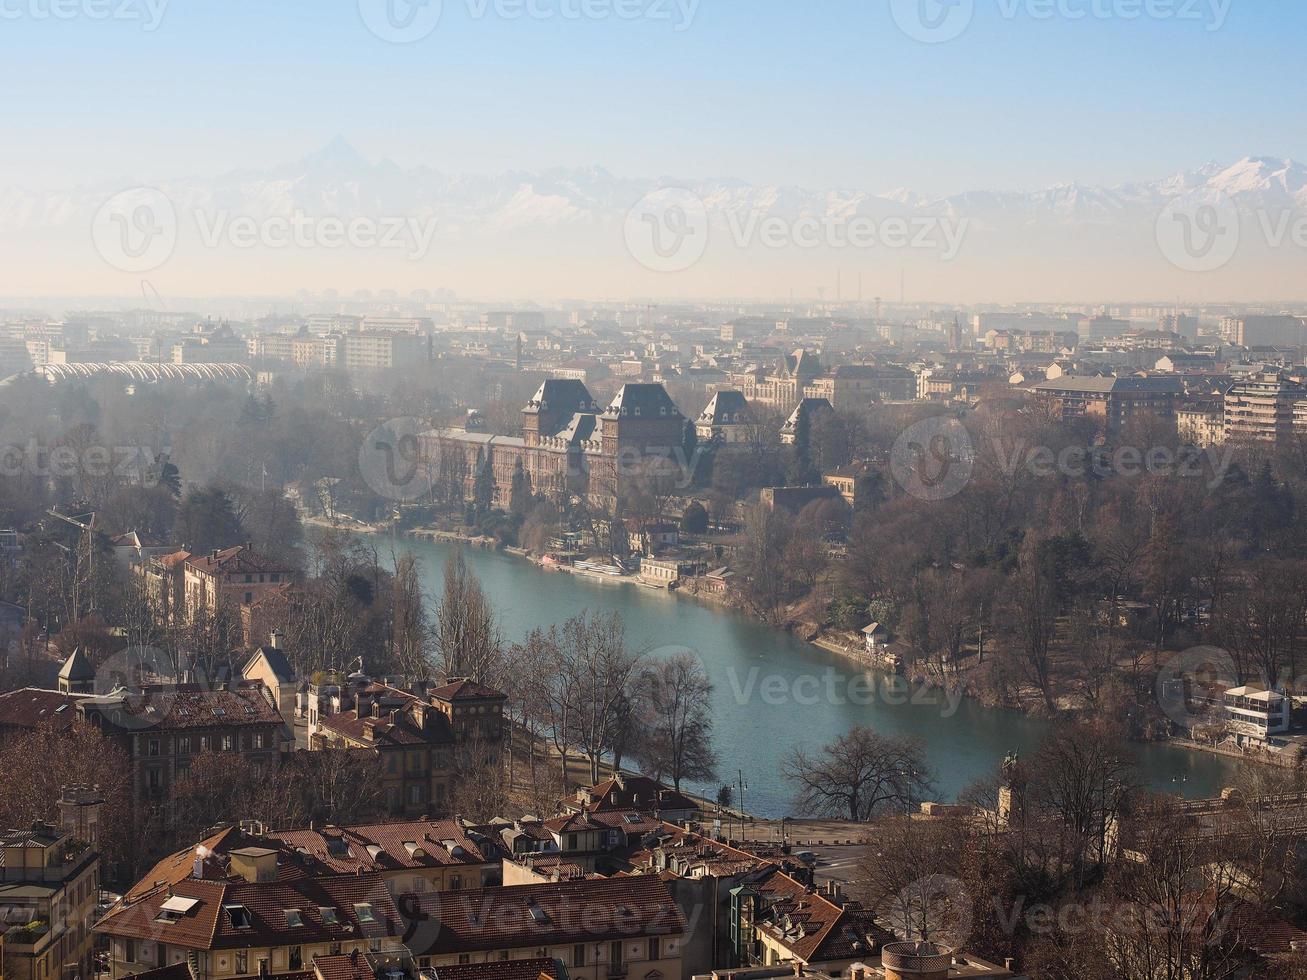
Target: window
x=455 y=882
x=329 y=916
x=364 y=912
x=154 y=746
x=293 y=919
x=228 y=743
x=464 y=958
x=578 y=954
x=249 y=597
x=242 y=961
x=296 y=958
x=655 y=948
x=240 y=916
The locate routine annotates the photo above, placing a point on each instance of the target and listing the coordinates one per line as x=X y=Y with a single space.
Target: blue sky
x=814 y=92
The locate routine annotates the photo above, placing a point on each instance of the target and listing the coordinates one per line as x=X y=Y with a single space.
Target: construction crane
x=85 y=523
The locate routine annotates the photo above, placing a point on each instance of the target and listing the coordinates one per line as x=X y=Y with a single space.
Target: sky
x=937 y=97
x=811 y=92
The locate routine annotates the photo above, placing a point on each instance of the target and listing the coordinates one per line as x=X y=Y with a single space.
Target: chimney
x=274 y=640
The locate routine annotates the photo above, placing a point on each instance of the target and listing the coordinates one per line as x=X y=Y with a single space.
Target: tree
x=860 y=774
x=1031 y=620
x=520 y=492
x=207 y=521
x=695 y=519
x=677 y=729
x=466 y=635
x=761 y=562
x=907 y=874
x=483 y=486
x=598 y=673
x=1080 y=782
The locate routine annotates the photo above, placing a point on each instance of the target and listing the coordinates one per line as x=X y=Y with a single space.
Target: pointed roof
x=648 y=400
x=728 y=407
x=77 y=667
x=563 y=395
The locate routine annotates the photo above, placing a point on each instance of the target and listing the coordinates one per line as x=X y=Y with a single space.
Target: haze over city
x=653 y=490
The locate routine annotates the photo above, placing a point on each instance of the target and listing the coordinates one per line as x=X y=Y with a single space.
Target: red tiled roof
x=428 y=836
x=402 y=730
x=535 y=969
x=238 y=560
x=209 y=924
x=189 y=707
x=33 y=707
x=554 y=914
x=634 y=793
x=466 y=690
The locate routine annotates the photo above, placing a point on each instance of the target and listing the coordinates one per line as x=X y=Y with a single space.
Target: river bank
x=809 y=647
x=774 y=691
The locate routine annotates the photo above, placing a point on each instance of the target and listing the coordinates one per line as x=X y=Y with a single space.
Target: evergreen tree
x=520 y=492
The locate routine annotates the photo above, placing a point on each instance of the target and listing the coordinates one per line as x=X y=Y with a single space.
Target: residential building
x=1111 y=402
x=161 y=727
x=1267 y=407
x=382 y=351
x=241 y=905
x=49 y=886
x=599 y=928
x=415 y=735
x=1201 y=425
x=230 y=577
x=1263 y=330
x=268 y=667
x=624 y=793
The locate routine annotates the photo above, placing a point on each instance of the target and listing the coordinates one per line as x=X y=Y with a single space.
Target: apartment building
x=1111 y=401
x=415 y=735
x=244 y=904
x=381 y=350
x=1265 y=408
x=230 y=576
x=49 y=886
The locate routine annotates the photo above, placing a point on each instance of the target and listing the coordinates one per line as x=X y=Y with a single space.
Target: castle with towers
x=569 y=446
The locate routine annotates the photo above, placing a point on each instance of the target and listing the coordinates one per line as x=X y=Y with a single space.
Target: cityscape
x=652 y=490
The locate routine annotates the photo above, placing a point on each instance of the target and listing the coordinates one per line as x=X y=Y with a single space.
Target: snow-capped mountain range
x=338 y=180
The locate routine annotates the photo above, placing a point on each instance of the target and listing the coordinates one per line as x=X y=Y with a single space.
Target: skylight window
x=293 y=919
x=240 y=916
x=364 y=912
x=329 y=916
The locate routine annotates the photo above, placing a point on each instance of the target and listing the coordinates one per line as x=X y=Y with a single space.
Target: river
x=773 y=692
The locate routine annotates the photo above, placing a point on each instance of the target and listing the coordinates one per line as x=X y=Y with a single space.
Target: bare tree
x=598 y=673
x=677 y=700
x=466 y=635
x=907 y=874
x=860 y=774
